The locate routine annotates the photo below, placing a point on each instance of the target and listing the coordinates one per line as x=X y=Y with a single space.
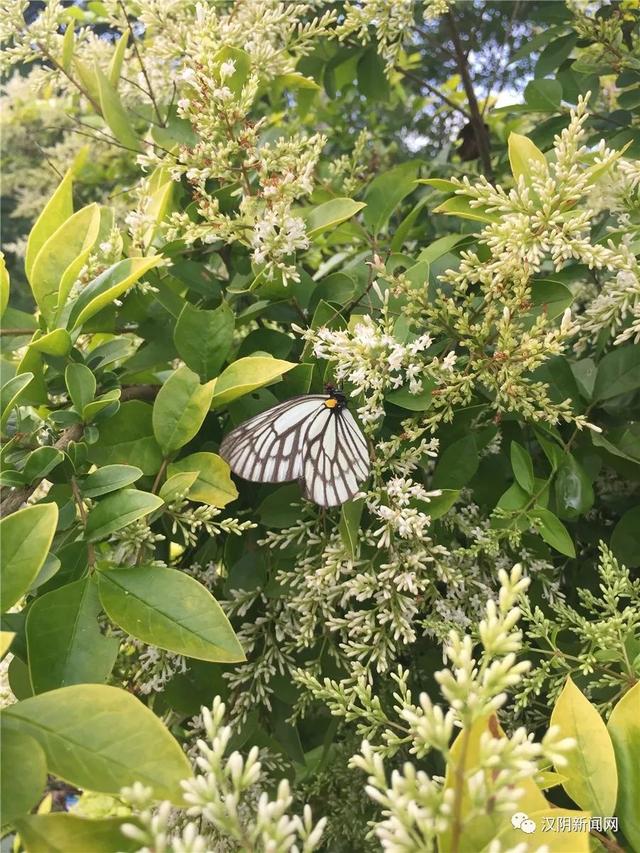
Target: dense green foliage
x=214 y=207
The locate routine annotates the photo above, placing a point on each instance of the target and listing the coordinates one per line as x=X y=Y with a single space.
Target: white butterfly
x=313 y=438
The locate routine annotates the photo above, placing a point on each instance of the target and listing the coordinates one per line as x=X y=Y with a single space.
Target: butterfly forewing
x=305 y=438
x=269 y=448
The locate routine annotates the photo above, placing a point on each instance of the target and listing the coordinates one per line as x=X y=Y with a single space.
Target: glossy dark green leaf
x=625 y=539
x=203 y=338
x=127 y=439
x=618 y=373
x=110 y=478
x=553 y=531
x=349 y=526
x=456 y=464
x=522 y=465
x=385 y=193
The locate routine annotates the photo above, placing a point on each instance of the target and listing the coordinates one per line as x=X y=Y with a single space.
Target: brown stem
x=77 y=496
x=16 y=332
x=477 y=122
x=607 y=843
x=71 y=79
x=15 y=500
x=141 y=63
x=434 y=91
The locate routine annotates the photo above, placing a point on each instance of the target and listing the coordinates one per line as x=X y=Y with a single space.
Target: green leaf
x=213 y=485
x=618 y=373
x=177 y=484
x=460 y=206
x=114 y=113
x=69 y=833
x=102 y=738
x=203 y=338
x=625 y=539
x=573 y=489
x=180 y=409
x=592 y=778
x=549 y=298
x=117 y=510
x=349 y=526
x=128 y=437
x=6 y=638
x=61 y=258
x=624 y=730
x=171 y=610
x=522 y=154
x=91 y=410
x=81 y=384
x=40 y=462
x=372 y=81
x=109 y=479
x=115 y=66
x=64 y=639
x=26 y=538
x=543 y=95
x=58 y=342
x=456 y=464
x=242 y=62
x=57 y=210
x=109 y=285
x=331 y=213
x=23 y=774
x=281 y=508
x=420 y=402
x=553 y=532
x=440 y=247
x=440 y=505
x=245 y=375
x=386 y=192
x=522 y=465
x=11 y=393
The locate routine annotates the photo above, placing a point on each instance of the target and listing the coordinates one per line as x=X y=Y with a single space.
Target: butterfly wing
x=269 y=448
x=336 y=460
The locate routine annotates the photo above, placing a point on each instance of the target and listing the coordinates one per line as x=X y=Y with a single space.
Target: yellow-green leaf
x=331 y=213
x=4 y=285
x=26 y=539
x=114 y=113
x=522 y=154
x=60 y=832
x=180 y=408
x=115 y=66
x=213 y=484
x=68 y=44
x=6 y=638
x=459 y=206
x=245 y=375
x=177 y=484
x=556 y=830
x=57 y=210
x=61 y=258
x=624 y=729
x=108 y=286
x=10 y=395
x=592 y=778
x=57 y=342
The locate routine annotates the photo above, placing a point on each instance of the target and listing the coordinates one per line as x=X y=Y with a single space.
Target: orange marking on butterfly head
x=331 y=403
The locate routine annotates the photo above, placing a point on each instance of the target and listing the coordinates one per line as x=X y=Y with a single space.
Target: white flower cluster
x=416 y=807
x=390 y=20
x=374 y=359
x=227 y=809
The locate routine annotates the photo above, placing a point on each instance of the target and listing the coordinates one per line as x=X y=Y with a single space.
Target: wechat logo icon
x=523 y=822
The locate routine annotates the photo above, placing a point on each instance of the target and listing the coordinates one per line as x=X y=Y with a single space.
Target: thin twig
x=142 y=66
x=482 y=137
x=71 y=79
x=434 y=91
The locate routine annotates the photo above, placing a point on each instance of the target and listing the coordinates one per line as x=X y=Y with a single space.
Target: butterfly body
x=313 y=438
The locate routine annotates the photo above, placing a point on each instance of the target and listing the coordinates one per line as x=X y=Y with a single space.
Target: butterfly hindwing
x=336 y=459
